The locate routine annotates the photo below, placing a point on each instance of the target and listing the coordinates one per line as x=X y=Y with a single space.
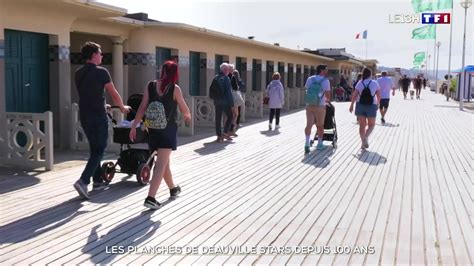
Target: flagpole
x=427 y=58
x=365 y=48
x=427 y=69
x=450 y=42
x=434 y=64
x=437 y=60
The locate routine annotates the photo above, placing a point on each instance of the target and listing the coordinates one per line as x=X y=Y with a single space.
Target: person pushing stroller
x=91 y=82
x=318 y=91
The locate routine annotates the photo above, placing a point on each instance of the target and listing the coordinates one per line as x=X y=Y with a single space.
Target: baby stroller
x=330 y=131
x=135 y=157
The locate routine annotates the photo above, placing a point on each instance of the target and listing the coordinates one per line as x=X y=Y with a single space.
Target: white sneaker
x=277 y=127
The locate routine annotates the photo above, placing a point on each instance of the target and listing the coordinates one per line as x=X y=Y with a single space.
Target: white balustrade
x=27 y=139
x=204 y=111
x=286 y=106
x=294 y=98
x=254 y=104
x=242 y=109
x=183 y=128
x=302 y=93
x=79 y=139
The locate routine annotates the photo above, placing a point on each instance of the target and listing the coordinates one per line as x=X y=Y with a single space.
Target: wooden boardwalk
x=259 y=200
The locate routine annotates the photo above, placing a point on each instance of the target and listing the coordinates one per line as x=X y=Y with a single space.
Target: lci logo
x=403 y=18
x=435 y=18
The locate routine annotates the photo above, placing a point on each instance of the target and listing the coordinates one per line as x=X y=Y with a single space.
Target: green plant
x=454 y=84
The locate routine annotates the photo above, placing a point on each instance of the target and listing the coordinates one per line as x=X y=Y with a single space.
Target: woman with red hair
x=162 y=140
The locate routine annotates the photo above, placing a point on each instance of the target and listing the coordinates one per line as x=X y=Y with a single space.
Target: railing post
x=38 y=140
x=49 y=145
x=183 y=129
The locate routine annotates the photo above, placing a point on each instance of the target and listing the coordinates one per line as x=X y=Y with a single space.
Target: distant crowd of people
x=418 y=82
x=375 y=93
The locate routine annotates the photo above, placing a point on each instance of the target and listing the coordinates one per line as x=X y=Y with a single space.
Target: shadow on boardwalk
x=270 y=133
x=14 y=179
x=388 y=125
x=319 y=159
x=61 y=214
x=127 y=236
x=370 y=157
x=213 y=147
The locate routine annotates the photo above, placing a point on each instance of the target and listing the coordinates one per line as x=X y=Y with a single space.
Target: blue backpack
x=314 y=94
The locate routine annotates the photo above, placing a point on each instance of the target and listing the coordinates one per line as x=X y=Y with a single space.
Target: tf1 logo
x=435 y=18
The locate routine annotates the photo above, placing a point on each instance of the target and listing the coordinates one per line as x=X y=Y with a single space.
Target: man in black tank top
x=91 y=82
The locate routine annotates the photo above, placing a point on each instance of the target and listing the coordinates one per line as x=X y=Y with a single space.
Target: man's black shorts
x=384 y=103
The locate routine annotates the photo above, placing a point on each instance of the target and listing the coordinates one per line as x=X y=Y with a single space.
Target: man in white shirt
x=386 y=84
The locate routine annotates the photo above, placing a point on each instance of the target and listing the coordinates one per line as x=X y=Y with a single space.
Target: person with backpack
x=318 y=91
x=160 y=101
x=92 y=81
x=221 y=93
x=367 y=93
x=276 y=95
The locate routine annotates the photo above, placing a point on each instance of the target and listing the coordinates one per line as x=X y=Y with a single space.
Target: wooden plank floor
x=408 y=199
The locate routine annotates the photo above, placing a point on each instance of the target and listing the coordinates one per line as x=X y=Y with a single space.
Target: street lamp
x=465 y=4
x=428 y=67
x=438 y=44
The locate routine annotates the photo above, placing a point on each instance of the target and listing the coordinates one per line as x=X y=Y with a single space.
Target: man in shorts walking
x=317 y=85
x=405 y=85
x=385 y=84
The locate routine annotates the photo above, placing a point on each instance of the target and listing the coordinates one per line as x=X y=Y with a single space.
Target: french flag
x=364 y=35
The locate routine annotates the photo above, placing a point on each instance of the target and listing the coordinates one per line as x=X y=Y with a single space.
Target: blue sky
x=318 y=24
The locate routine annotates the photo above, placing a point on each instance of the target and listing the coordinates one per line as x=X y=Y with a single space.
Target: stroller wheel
x=108 y=171
x=143 y=174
